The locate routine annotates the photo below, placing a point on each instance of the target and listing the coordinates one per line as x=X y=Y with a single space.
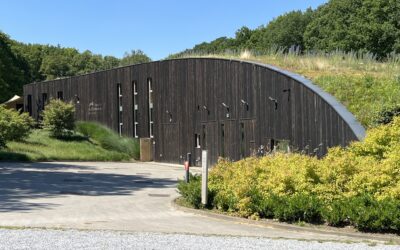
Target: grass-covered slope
x=360 y=82
x=108 y=139
x=97 y=143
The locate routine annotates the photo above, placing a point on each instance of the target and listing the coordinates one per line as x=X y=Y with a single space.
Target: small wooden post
x=187 y=166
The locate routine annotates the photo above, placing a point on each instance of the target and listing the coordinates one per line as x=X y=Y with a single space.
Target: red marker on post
x=187 y=166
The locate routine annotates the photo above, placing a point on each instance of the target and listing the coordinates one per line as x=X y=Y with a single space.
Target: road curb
x=290 y=227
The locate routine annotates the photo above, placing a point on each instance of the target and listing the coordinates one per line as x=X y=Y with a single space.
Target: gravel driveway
x=73 y=239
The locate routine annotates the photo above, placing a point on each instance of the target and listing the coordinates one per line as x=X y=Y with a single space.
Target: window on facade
x=222 y=142
x=197 y=141
x=44 y=100
x=150 y=115
x=282 y=146
x=242 y=141
x=135 y=110
x=29 y=105
x=60 y=95
x=119 y=92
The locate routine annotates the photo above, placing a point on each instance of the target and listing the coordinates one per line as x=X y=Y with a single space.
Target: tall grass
x=363 y=84
x=39 y=146
x=108 y=139
x=312 y=60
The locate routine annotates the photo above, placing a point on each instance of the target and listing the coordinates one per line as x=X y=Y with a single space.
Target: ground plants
x=40 y=146
x=191 y=192
x=358 y=185
x=108 y=139
x=90 y=142
x=59 y=118
x=13 y=125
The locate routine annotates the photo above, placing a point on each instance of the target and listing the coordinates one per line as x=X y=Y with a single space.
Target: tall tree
x=134 y=57
x=110 y=62
x=242 y=35
x=285 y=31
x=361 y=25
x=13 y=70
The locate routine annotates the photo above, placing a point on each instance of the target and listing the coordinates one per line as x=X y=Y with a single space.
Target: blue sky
x=157 y=27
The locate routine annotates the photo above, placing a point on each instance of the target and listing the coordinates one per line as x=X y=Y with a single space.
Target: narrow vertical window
x=44 y=100
x=29 y=105
x=135 y=110
x=150 y=115
x=60 y=95
x=222 y=142
x=197 y=141
x=242 y=142
x=272 y=145
x=119 y=108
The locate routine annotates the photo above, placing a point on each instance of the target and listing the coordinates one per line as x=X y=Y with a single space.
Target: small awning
x=14 y=99
x=16 y=102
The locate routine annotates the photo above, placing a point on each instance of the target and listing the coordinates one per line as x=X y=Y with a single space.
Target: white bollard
x=204 y=177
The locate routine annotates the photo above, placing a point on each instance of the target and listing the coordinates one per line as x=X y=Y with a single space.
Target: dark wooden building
x=229 y=107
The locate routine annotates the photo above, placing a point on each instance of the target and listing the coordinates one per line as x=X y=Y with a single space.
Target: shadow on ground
x=20 y=181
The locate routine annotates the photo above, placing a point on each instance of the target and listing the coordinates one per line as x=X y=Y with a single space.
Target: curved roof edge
x=347 y=116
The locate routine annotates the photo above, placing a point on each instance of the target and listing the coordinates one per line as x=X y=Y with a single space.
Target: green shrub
x=59 y=118
x=298 y=207
x=108 y=139
x=385 y=116
x=358 y=185
x=13 y=125
x=369 y=214
x=266 y=206
x=191 y=192
x=335 y=213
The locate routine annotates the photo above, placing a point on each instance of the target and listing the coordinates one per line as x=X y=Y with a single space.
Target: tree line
x=22 y=63
x=370 y=26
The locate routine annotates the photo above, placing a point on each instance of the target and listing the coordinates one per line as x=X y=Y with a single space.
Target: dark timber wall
x=232 y=106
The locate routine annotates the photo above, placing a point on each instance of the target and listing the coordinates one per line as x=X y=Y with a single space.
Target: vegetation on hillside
x=40 y=146
x=108 y=139
x=13 y=125
x=25 y=63
x=59 y=118
x=350 y=48
x=14 y=71
x=348 y=25
x=358 y=185
x=58 y=141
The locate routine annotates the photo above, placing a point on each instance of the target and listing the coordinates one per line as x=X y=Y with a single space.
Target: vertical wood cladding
x=233 y=107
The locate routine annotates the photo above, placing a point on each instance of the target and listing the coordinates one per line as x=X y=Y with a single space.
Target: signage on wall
x=95 y=107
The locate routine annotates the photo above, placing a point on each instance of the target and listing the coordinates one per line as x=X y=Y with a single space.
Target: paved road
x=134 y=197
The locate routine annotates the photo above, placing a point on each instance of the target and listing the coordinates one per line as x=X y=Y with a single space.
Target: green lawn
x=40 y=147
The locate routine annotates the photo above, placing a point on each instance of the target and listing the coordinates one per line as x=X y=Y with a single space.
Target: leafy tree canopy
x=359 y=25
x=349 y=25
x=24 y=63
x=134 y=57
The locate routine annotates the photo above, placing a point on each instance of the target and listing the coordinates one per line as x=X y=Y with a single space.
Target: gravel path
x=74 y=239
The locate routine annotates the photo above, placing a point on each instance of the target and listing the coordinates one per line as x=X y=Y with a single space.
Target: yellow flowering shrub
x=370 y=167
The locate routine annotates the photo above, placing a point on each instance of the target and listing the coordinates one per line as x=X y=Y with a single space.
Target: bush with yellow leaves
x=364 y=176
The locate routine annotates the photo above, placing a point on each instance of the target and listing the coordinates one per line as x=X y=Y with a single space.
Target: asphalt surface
x=131 y=197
